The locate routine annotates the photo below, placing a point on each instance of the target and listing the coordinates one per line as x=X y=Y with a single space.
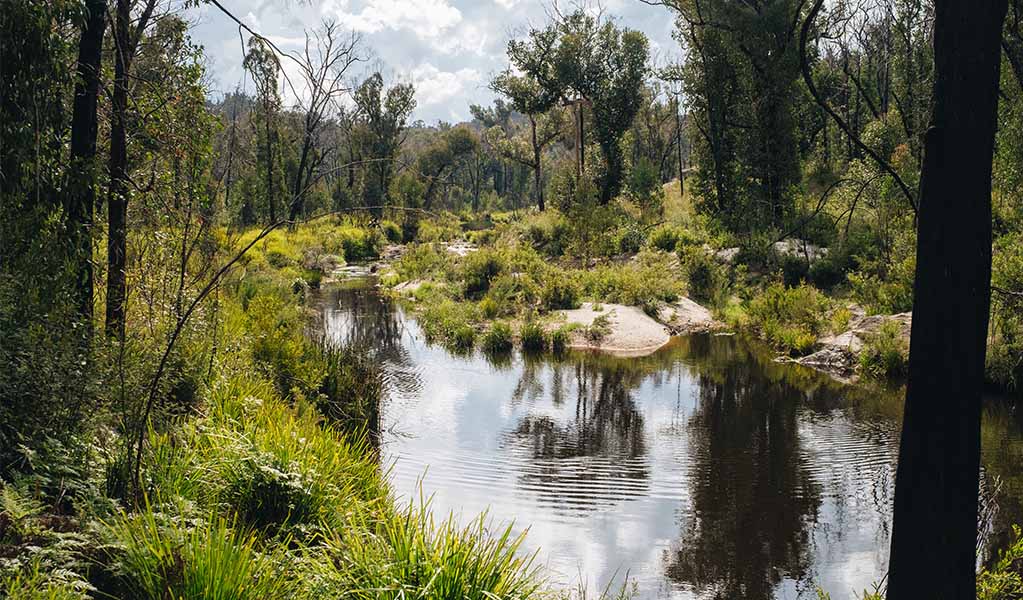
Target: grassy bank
x=266 y=486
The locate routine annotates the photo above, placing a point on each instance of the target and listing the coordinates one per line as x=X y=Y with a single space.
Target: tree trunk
x=81 y=199
x=117 y=201
x=268 y=128
x=934 y=532
x=678 y=141
x=537 y=174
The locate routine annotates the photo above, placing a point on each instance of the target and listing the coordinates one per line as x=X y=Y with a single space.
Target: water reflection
x=753 y=499
x=707 y=470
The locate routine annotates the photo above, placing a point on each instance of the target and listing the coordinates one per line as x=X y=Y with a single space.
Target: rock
x=839 y=354
x=632 y=332
x=408 y=287
x=799 y=248
x=686 y=316
x=727 y=255
x=461 y=248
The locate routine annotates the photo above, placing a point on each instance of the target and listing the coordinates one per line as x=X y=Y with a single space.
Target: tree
x=442 y=157
x=382 y=116
x=588 y=62
x=262 y=65
x=81 y=195
x=933 y=552
x=536 y=102
x=127 y=34
x=323 y=69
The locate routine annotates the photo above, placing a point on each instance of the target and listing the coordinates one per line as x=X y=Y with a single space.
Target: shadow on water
x=707 y=470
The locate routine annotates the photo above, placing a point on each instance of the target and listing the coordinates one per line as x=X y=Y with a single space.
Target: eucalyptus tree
x=324 y=64
x=586 y=61
x=934 y=532
x=265 y=70
x=131 y=18
x=382 y=117
x=442 y=157
x=539 y=105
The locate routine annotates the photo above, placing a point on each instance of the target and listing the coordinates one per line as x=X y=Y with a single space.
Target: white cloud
x=428 y=19
x=434 y=86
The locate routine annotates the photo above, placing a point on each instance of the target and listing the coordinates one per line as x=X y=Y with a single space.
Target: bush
x=790 y=318
x=794 y=270
x=497 y=339
x=599 y=329
x=559 y=292
x=463 y=337
x=269 y=496
x=630 y=240
x=884 y=353
x=534 y=338
x=392 y=231
x=561 y=338
x=664 y=237
x=1004 y=579
x=701 y=273
x=478 y=270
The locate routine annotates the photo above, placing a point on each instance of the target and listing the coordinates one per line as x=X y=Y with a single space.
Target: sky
x=449 y=48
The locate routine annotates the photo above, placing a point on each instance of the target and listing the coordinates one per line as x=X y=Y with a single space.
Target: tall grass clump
x=156 y=556
x=885 y=352
x=497 y=339
x=411 y=556
x=533 y=336
x=790 y=318
x=479 y=269
x=352 y=386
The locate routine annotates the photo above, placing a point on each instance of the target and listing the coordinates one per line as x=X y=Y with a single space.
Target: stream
x=706 y=470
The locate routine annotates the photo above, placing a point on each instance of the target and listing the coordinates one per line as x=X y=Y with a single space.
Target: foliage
x=599 y=329
x=559 y=292
x=352 y=386
x=478 y=271
x=534 y=337
x=790 y=318
x=1003 y=580
x=884 y=352
x=497 y=339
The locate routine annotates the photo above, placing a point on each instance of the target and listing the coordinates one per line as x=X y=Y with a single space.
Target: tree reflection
x=599 y=447
x=753 y=499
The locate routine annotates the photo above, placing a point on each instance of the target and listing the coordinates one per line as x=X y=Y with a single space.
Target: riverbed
x=707 y=470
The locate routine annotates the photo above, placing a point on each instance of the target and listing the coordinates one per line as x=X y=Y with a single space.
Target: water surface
x=707 y=470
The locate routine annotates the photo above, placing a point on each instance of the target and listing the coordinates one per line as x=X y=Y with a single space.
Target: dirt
x=631 y=331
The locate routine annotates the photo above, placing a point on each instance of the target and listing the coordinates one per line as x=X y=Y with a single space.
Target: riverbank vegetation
x=172 y=426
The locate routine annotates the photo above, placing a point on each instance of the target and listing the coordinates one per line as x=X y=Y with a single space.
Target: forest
x=246 y=337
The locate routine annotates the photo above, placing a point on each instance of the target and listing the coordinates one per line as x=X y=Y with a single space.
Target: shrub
x=630 y=240
x=701 y=273
x=559 y=292
x=478 y=270
x=463 y=337
x=1004 y=579
x=664 y=237
x=561 y=338
x=534 y=338
x=489 y=307
x=599 y=329
x=421 y=260
x=794 y=270
x=497 y=339
x=392 y=231
x=270 y=496
x=790 y=318
x=884 y=352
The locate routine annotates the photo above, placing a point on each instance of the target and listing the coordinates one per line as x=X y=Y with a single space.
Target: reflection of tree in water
x=600 y=449
x=752 y=497
x=353 y=313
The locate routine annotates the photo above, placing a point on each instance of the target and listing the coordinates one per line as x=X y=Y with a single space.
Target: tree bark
x=81 y=199
x=117 y=201
x=934 y=534
x=537 y=174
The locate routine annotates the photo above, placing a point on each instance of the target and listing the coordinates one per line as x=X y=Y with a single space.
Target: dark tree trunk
x=935 y=519
x=268 y=128
x=537 y=166
x=117 y=201
x=81 y=198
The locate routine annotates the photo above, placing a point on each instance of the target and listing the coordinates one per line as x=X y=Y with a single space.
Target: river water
x=707 y=470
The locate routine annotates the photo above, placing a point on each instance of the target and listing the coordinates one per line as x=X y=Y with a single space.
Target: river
x=707 y=470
